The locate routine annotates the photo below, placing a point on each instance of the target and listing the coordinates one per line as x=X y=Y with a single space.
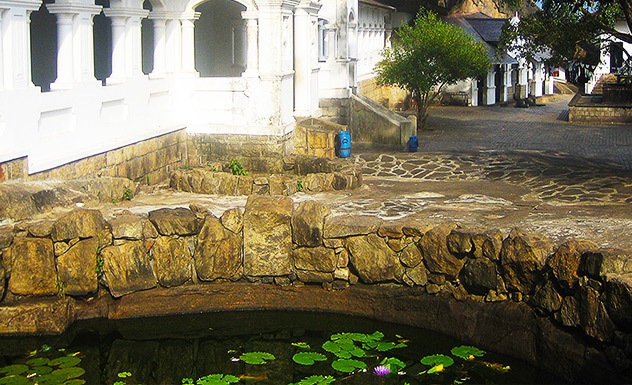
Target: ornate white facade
x=79 y=77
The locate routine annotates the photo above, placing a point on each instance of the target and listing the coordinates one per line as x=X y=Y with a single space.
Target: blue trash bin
x=344 y=144
x=413 y=143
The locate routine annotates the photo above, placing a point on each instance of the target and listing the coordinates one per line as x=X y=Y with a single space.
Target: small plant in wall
x=236 y=167
x=128 y=194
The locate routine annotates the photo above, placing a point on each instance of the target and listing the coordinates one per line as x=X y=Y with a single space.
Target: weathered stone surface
x=311 y=276
x=267 y=236
x=31 y=266
x=522 y=257
x=547 y=297
x=566 y=260
x=2 y=277
x=347 y=226
x=417 y=275
x=41 y=229
x=435 y=251
x=172 y=261
x=218 y=252
x=460 y=242
x=244 y=185
x=373 y=259
x=569 y=312
x=233 y=220
x=605 y=261
x=6 y=236
x=307 y=223
x=61 y=247
x=319 y=259
x=178 y=221
x=488 y=244
x=77 y=268
x=398 y=244
x=619 y=299
x=127 y=268
x=411 y=256
x=128 y=226
x=593 y=316
x=82 y=223
x=479 y=276
x=46 y=316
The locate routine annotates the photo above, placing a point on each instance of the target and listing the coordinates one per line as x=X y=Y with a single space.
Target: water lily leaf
x=38 y=361
x=436 y=369
x=14 y=379
x=65 y=362
x=301 y=345
x=347 y=366
x=386 y=346
x=76 y=381
x=308 y=358
x=68 y=373
x=394 y=364
x=217 y=379
x=467 y=352
x=340 y=348
x=256 y=358
x=437 y=359
x=14 y=369
x=316 y=380
x=40 y=370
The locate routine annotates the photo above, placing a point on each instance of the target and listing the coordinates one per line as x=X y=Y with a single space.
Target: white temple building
x=79 y=78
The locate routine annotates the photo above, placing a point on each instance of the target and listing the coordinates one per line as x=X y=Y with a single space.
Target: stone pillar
x=252 y=38
x=75 y=43
x=474 y=93
x=507 y=83
x=523 y=79
x=188 y=43
x=160 y=47
x=174 y=45
x=536 y=83
x=118 y=50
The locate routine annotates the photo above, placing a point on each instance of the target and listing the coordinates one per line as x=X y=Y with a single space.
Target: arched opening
x=102 y=43
x=220 y=39
x=147 y=42
x=43 y=47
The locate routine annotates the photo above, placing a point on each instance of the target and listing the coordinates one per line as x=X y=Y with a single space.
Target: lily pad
x=14 y=369
x=308 y=358
x=394 y=364
x=467 y=352
x=40 y=370
x=347 y=366
x=437 y=359
x=75 y=381
x=38 y=361
x=14 y=379
x=316 y=380
x=68 y=373
x=256 y=358
x=65 y=362
x=217 y=379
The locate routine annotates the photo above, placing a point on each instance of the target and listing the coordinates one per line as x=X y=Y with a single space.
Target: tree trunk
x=422 y=111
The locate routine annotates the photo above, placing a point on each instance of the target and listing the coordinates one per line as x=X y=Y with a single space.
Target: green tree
x=568 y=30
x=428 y=56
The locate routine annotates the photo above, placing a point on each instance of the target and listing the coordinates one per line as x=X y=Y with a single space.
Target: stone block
x=597 y=264
x=308 y=222
x=30 y=263
x=373 y=260
x=346 y=226
x=437 y=257
x=218 y=254
x=565 y=262
x=178 y=221
x=522 y=258
x=267 y=236
x=320 y=259
x=173 y=262
x=77 y=268
x=619 y=299
x=49 y=316
x=82 y=223
x=127 y=268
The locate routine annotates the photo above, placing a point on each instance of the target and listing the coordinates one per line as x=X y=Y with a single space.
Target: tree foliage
x=570 y=30
x=428 y=56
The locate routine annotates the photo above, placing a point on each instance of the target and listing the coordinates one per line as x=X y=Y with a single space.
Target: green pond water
x=255 y=348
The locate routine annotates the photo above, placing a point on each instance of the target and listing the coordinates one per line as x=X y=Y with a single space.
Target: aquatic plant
x=381 y=370
x=44 y=367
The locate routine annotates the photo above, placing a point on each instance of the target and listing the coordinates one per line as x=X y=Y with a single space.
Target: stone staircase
x=564 y=88
x=605 y=78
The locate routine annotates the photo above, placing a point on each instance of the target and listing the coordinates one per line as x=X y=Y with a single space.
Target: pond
x=255 y=348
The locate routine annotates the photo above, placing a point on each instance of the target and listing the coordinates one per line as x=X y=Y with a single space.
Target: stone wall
x=316 y=137
x=374 y=125
x=390 y=97
x=335 y=110
x=565 y=307
x=150 y=161
x=256 y=152
x=600 y=114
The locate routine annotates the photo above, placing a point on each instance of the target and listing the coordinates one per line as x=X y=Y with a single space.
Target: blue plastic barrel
x=413 y=144
x=344 y=144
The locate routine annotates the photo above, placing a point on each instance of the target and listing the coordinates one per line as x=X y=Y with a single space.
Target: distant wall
x=392 y=98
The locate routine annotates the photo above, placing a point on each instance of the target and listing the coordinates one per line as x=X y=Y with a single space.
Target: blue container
x=344 y=144
x=413 y=144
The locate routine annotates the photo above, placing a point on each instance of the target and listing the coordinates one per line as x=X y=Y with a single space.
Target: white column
x=160 y=48
x=65 y=59
x=188 y=44
x=118 y=49
x=474 y=93
x=537 y=80
x=490 y=89
x=16 y=43
x=174 y=45
x=507 y=83
x=302 y=68
x=252 y=38
x=1 y=51
x=133 y=44
x=523 y=79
